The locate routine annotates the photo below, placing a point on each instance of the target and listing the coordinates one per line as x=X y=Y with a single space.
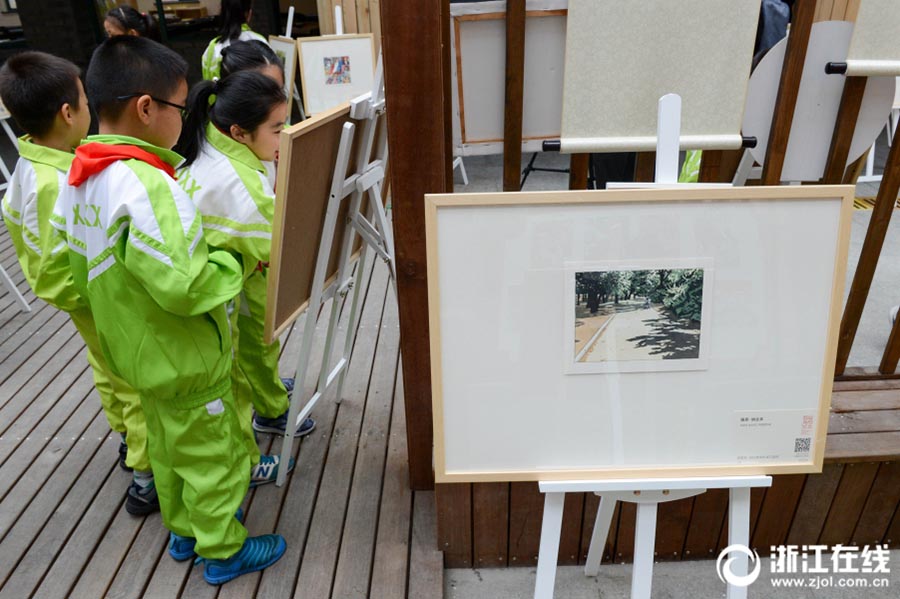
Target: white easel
x=376 y=234
x=647 y=493
x=7 y=177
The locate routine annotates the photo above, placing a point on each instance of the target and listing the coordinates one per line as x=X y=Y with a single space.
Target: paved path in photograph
x=644 y=334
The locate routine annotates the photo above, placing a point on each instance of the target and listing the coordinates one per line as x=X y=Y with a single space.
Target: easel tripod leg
x=551 y=529
x=738 y=533
x=644 y=542
x=599 y=536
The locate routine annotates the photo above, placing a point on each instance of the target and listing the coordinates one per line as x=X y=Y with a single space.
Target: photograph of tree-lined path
x=624 y=315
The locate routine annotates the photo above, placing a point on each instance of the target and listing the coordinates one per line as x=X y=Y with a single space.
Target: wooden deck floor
x=353 y=527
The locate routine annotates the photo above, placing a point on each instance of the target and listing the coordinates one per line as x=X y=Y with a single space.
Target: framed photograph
x=335 y=69
x=286 y=49
x=638 y=317
x=634 y=333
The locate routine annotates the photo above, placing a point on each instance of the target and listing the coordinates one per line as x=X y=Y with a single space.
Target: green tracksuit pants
x=120 y=402
x=201 y=470
x=255 y=377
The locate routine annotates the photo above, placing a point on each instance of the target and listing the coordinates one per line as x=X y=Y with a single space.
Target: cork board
x=307 y=155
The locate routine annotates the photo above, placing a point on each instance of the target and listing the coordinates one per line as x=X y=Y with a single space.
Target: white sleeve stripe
x=101 y=268
x=197 y=238
x=235 y=233
x=115 y=236
x=153 y=253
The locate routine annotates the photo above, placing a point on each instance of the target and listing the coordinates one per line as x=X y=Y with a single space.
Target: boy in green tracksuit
x=138 y=254
x=45 y=96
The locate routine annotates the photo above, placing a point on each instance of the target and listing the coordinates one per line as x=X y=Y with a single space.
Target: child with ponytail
x=224 y=144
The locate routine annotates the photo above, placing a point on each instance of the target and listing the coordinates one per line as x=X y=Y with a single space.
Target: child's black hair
x=248 y=55
x=129 y=18
x=125 y=65
x=244 y=99
x=34 y=86
x=233 y=15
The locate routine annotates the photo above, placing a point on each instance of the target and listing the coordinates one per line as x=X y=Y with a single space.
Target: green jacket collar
x=58 y=159
x=235 y=150
x=168 y=156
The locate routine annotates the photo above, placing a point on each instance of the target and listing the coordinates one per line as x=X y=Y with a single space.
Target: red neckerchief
x=91 y=158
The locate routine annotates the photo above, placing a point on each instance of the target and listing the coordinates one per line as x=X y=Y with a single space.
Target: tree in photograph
x=684 y=293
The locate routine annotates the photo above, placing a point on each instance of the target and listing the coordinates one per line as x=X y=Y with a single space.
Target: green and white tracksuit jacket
x=231 y=189
x=211 y=61
x=27 y=207
x=158 y=295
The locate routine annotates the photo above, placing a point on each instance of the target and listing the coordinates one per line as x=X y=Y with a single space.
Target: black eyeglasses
x=183 y=109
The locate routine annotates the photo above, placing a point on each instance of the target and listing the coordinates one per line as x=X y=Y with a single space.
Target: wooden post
x=578 y=170
x=515 y=90
x=868 y=260
x=844 y=127
x=417 y=97
x=788 y=88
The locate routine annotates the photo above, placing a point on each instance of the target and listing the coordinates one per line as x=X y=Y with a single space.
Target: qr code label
x=802 y=444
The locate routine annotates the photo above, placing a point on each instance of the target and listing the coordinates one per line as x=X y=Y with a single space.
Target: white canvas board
x=507 y=409
x=286 y=49
x=873 y=50
x=335 y=69
x=478 y=77
x=818 y=101
x=621 y=57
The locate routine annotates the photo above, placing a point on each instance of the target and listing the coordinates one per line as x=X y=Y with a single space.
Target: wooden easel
x=365 y=183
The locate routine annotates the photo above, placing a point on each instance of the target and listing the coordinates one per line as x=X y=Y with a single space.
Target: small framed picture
x=335 y=69
x=286 y=49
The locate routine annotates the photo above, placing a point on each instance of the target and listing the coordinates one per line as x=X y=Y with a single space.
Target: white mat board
x=505 y=408
x=621 y=57
x=874 y=50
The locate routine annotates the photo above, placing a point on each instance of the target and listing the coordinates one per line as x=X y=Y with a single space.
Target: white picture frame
x=504 y=407
x=335 y=69
x=286 y=49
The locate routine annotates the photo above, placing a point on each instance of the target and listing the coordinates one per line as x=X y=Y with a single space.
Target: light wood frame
x=326 y=38
x=433 y=203
x=289 y=76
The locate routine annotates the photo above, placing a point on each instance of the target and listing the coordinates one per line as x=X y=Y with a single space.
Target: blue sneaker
x=261 y=424
x=266 y=471
x=288 y=385
x=256 y=554
x=182 y=548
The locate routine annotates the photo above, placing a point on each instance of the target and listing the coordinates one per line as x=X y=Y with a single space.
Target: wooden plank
x=317 y=570
x=147 y=549
x=30 y=404
x=812 y=509
x=526 y=513
x=873 y=421
x=50 y=536
x=672 y=521
x=823 y=10
x=490 y=524
x=306 y=483
x=868 y=261
x=873 y=384
x=710 y=166
x=453 y=504
x=625 y=532
x=420 y=164
x=645 y=167
x=777 y=511
x=860 y=401
x=844 y=127
x=350 y=24
x=848 y=503
x=514 y=94
x=570 y=537
x=591 y=505
x=891 y=355
x=707 y=520
x=863 y=447
x=92 y=527
x=393 y=556
x=893 y=533
x=375 y=16
x=325 y=10
x=20 y=485
x=426 y=572
x=363 y=17
x=757 y=497
x=578 y=170
x=803 y=12
x=354 y=566
x=28 y=341
x=883 y=501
